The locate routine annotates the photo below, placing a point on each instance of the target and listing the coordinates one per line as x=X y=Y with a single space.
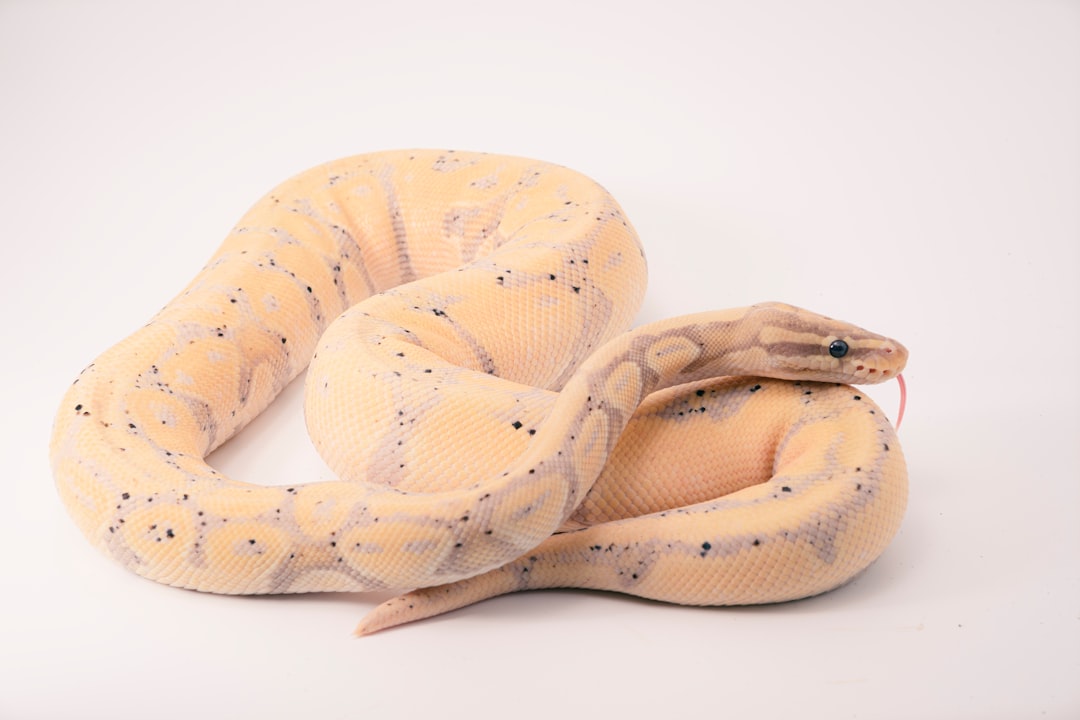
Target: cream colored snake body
x=475 y=388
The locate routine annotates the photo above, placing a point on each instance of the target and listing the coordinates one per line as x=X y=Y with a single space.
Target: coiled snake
x=475 y=389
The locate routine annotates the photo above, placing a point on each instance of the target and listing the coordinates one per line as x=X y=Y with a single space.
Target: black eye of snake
x=838 y=348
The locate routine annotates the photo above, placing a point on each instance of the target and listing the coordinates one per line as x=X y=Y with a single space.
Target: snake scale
x=493 y=424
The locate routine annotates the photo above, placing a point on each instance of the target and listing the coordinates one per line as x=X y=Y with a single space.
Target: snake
x=492 y=421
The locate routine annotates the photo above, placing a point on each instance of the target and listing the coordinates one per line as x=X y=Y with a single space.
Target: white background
x=913 y=167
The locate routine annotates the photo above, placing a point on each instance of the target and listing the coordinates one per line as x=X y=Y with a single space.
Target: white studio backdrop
x=912 y=167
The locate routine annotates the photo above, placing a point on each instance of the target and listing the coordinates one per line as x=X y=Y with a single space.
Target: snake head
x=802 y=345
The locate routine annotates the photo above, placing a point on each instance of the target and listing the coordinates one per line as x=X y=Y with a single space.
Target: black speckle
x=251 y=541
x=755 y=388
x=785 y=489
x=705 y=547
x=517 y=425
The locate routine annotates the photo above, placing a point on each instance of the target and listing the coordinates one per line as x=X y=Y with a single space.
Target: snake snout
x=875 y=359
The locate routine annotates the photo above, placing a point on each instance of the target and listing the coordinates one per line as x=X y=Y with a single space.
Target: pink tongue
x=903 y=400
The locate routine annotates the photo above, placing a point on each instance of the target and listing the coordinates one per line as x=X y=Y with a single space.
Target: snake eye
x=838 y=348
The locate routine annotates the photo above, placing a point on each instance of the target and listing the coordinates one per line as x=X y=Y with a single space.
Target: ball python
x=492 y=423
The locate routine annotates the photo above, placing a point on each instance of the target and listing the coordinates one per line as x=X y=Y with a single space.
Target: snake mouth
x=870 y=373
x=854 y=371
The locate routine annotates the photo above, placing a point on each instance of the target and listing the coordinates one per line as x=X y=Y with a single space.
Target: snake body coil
x=473 y=385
